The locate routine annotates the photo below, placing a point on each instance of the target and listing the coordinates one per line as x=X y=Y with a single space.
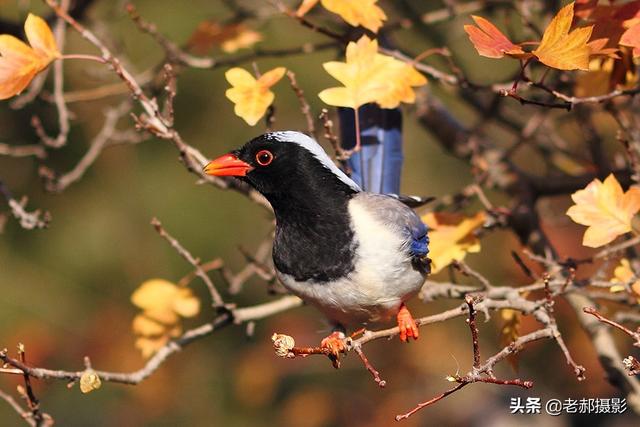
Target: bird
x=356 y=256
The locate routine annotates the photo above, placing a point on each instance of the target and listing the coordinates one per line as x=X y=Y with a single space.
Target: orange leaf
x=252 y=97
x=489 y=41
x=41 y=38
x=245 y=39
x=562 y=49
x=631 y=38
x=230 y=38
x=19 y=63
x=605 y=209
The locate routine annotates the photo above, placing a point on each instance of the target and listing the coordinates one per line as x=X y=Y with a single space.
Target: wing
x=395 y=214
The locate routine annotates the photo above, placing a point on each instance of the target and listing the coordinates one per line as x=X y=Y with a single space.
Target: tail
x=377 y=167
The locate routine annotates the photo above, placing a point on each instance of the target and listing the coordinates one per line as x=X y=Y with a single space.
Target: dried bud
x=89 y=381
x=282 y=344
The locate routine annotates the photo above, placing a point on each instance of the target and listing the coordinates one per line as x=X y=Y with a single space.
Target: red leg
x=407 y=325
x=335 y=344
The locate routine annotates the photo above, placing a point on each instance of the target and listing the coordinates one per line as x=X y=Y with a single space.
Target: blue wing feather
x=419 y=247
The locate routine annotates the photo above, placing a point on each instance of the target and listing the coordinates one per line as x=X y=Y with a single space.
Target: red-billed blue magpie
x=356 y=256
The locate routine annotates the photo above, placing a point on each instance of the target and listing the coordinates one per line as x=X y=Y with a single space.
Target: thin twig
x=218 y=302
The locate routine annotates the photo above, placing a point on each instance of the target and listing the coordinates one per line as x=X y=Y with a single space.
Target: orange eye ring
x=264 y=157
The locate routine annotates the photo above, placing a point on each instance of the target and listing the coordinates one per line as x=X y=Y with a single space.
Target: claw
x=335 y=344
x=408 y=327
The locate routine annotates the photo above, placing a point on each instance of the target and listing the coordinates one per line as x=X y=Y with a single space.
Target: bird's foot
x=334 y=344
x=408 y=327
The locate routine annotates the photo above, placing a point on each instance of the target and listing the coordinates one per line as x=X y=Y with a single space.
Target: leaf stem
x=357 y=148
x=84 y=57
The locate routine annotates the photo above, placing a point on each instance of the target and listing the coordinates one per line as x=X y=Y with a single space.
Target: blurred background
x=65 y=291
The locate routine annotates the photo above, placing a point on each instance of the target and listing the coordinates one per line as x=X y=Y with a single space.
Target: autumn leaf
x=252 y=97
x=230 y=37
x=161 y=300
x=244 y=39
x=19 y=62
x=631 y=38
x=607 y=74
x=451 y=237
x=163 y=303
x=365 y=13
x=562 y=49
x=624 y=276
x=402 y=79
x=605 y=209
x=369 y=76
x=489 y=41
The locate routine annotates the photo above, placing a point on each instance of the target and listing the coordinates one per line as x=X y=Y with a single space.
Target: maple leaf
x=631 y=38
x=364 y=13
x=19 y=62
x=252 y=96
x=623 y=275
x=562 y=49
x=369 y=76
x=605 y=209
x=451 y=236
x=489 y=41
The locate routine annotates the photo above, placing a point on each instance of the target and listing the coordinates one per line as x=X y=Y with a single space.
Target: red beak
x=227 y=165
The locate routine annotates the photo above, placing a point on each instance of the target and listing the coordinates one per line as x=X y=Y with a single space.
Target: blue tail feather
x=377 y=167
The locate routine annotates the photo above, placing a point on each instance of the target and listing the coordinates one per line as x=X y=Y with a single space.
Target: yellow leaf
x=365 y=13
x=163 y=302
x=154 y=294
x=146 y=326
x=623 y=275
x=186 y=304
x=89 y=381
x=252 y=97
x=605 y=209
x=451 y=237
x=369 y=76
x=402 y=78
x=19 y=63
x=562 y=49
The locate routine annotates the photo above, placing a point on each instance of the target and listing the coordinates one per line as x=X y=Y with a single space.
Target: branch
x=238 y=315
x=28 y=220
x=218 y=303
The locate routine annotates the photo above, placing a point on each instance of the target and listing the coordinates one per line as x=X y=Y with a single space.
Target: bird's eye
x=264 y=157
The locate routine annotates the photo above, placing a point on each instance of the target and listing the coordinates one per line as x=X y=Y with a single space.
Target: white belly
x=383 y=277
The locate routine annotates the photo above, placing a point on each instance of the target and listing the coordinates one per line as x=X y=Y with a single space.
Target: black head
x=287 y=168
